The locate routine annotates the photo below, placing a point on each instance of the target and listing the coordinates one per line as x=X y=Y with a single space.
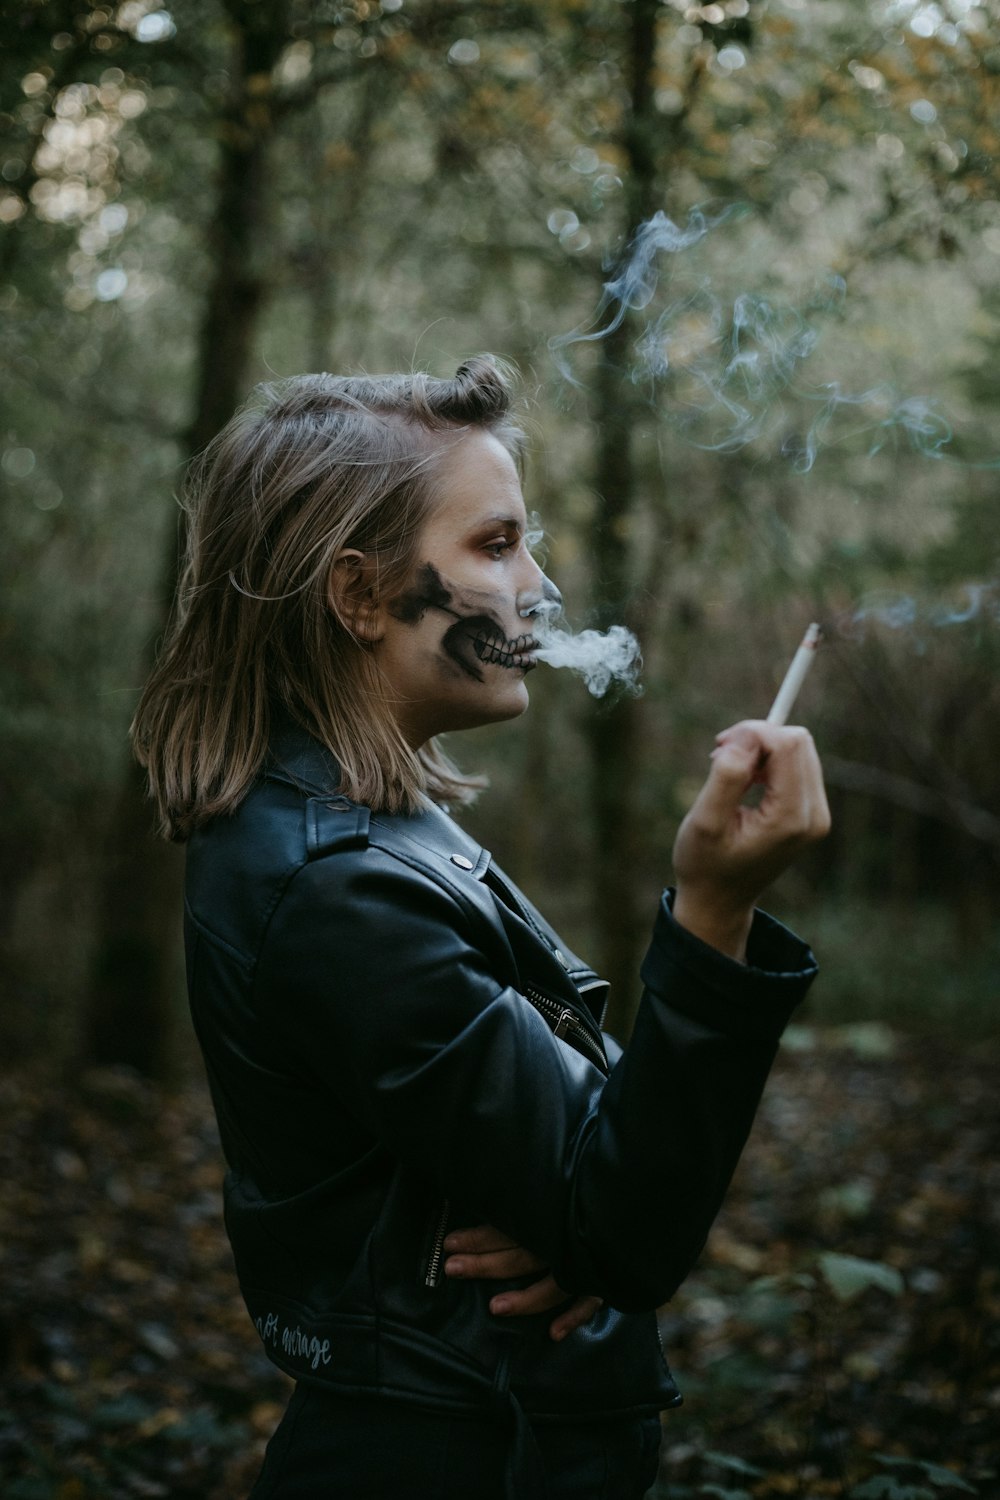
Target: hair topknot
x=479 y=392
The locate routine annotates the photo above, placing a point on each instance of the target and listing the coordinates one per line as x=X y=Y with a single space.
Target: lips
x=494 y=649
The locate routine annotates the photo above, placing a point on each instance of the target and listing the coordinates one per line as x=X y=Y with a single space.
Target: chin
x=509 y=705
x=515 y=702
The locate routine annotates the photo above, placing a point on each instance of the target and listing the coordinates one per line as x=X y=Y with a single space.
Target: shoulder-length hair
x=310 y=466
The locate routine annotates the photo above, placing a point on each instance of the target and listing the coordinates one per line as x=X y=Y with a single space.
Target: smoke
x=635 y=284
x=728 y=372
x=600 y=657
x=881 y=413
x=977 y=603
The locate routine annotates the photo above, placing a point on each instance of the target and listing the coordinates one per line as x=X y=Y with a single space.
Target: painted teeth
x=497 y=651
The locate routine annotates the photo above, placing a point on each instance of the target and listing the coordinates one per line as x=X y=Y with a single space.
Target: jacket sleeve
x=376 y=977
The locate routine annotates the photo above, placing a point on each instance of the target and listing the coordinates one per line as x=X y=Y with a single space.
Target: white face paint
x=456 y=645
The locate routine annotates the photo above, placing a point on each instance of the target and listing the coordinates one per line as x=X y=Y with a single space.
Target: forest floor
x=840 y=1337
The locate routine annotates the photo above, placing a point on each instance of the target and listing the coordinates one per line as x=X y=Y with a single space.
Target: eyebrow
x=513 y=522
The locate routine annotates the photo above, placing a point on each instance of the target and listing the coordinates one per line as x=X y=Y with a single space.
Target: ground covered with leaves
x=841 y=1336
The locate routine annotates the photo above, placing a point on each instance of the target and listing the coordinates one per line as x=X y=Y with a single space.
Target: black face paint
x=428 y=592
x=477 y=635
x=497 y=650
x=489 y=644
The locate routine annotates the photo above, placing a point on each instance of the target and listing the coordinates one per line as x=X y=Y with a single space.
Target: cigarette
x=795 y=676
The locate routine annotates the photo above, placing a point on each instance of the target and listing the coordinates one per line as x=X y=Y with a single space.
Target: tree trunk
x=131 y=1000
x=621 y=907
x=336 y=214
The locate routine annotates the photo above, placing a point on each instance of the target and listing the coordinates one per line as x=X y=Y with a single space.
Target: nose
x=543 y=597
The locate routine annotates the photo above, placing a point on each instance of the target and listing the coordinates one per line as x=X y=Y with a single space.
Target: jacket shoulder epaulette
x=335 y=823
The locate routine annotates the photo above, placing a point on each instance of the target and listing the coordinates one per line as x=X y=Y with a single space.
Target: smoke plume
x=730 y=371
x=600 y=657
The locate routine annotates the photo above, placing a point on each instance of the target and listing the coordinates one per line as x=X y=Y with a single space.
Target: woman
x=453 y=1204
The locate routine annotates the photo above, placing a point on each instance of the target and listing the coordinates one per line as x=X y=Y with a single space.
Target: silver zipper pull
x=565 y=1021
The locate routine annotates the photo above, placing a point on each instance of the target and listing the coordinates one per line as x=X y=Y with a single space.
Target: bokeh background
x=790 y=416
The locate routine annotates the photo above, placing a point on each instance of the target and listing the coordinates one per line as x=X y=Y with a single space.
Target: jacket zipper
x=565 y=1023
x=595 y=984
x=437 y=1247
x=565 y=1018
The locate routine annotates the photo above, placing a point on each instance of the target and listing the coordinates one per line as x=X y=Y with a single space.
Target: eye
x=498 y=546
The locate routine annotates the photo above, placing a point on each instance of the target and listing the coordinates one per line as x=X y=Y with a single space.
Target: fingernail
x=499 y=1305
x=559 y=1335
x=452 y=1242
x=454 y=1267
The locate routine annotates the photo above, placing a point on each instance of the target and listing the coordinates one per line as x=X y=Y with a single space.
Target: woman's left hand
x=486 y=1254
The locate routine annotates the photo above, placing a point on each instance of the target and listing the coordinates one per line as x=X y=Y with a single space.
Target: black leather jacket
x=397 y=1043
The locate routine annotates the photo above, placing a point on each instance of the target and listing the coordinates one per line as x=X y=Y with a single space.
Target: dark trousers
x=331 y=1447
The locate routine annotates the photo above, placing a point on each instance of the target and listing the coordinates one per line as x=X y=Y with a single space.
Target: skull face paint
x=495 y=651
x=477 y=637
x=455 y=645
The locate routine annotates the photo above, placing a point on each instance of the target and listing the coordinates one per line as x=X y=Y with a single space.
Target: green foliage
x=775 y=1368
x=897 y=1486
x=924 y=966
x=885 y=1487
x=424 y=193
x=733 y=1465
x=848 y=1276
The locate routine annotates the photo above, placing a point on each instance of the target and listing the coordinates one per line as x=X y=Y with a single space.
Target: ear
x=352 y=596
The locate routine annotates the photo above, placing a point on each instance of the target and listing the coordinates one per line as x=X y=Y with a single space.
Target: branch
x=927 y=802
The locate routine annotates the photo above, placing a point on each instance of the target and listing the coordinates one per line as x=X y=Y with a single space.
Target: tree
x=128 y=1018
x=615 y=741
x=198 y=198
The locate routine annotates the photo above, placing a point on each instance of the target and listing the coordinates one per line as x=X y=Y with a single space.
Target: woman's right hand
x=484 y=1253
x=726 y=853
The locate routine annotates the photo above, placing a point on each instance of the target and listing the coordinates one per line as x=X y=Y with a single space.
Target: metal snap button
x=462 y=861
x=560 y=957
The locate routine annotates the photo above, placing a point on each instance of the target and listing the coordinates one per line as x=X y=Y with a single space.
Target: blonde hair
x=310 y=466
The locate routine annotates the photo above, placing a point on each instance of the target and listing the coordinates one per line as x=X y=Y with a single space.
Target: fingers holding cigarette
x=765 y=752
x=727 y=853
x=783 y=761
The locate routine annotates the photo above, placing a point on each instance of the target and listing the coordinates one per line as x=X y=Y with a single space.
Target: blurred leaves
x=426 y=193
x=130 y=1367
x=898 y=1381
x=848 y=1276
x=896 y=1485
x=126 y=1360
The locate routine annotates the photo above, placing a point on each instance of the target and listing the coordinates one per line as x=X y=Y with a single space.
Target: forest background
x=789 y=415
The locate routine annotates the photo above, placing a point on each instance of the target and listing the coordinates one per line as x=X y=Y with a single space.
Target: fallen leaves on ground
x=844 y=1316
x=840 y=1337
